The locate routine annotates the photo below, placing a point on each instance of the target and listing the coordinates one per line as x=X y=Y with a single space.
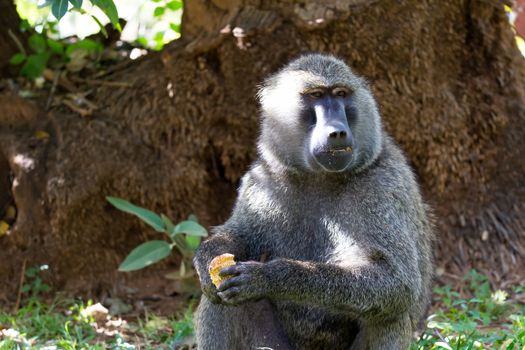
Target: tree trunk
x=447 y=75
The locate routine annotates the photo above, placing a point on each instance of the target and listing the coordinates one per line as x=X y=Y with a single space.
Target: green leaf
x=35 y=65
x=56 y=46
x=174 y=5
x=159 y=41
x=159 y=36
x=175 y=27
x=190 y=228
x=142 y=41
x=193 y=242
x=17 y=58
x=50 y=27
x=109 y=8
x=26 y=288
x=145 y=215
x=145 y=255
x=25 y=26
x=167 y=223
x=59 y=8
x=101 y=26
x=32 y=272
x=37 y=43
x=76 y=3
x=159 y=11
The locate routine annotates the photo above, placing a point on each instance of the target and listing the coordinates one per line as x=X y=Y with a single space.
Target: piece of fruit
x=217 y=264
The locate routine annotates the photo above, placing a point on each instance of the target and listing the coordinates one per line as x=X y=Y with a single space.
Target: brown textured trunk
x=447 y=76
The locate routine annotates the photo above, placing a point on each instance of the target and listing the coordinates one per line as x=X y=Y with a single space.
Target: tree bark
x=447 y=76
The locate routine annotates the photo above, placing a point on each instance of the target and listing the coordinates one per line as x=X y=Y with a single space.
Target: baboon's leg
x=248 y=326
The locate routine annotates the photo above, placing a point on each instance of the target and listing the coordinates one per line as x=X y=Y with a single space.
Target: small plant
x=185 y=236
x=183 y=329
x=34 y=287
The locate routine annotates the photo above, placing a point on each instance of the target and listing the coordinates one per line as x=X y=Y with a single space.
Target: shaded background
x=180 y=131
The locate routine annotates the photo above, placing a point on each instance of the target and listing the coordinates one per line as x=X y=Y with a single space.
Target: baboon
x=331 y=236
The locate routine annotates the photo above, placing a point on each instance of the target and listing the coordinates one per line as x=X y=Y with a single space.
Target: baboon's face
x=327 y=114
x=318 y=116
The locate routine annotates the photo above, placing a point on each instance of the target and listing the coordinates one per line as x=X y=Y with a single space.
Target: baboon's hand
x=208 y=289
x=248 y=283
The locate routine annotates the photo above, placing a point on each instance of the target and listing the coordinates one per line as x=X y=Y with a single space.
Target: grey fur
x=347 y=254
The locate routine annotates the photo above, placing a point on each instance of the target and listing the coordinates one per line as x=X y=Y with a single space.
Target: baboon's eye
x=340 y=92
x=316 y=93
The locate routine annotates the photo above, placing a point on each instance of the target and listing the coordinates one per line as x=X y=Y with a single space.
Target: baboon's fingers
x=232 y=282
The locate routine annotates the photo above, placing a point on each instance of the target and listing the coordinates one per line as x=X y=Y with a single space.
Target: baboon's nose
x=337 y=134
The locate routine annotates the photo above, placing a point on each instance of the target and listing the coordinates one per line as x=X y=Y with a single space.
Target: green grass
x=478 y=318
x=65 y=324
x=62 y=325
x=484 y=320
x=38 y=325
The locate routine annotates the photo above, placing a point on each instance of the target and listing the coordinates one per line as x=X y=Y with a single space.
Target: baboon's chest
x=325 y=232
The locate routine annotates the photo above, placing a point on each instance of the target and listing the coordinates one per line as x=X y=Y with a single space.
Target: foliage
x=185 y=236
x=33 y=286
x=60 y=7
x=170 y=331
x=487 y=320
x=37 y=324
x=46 y=52
x=164 y=8
x=67 y=324
x=183 y=328
x=64 y=325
